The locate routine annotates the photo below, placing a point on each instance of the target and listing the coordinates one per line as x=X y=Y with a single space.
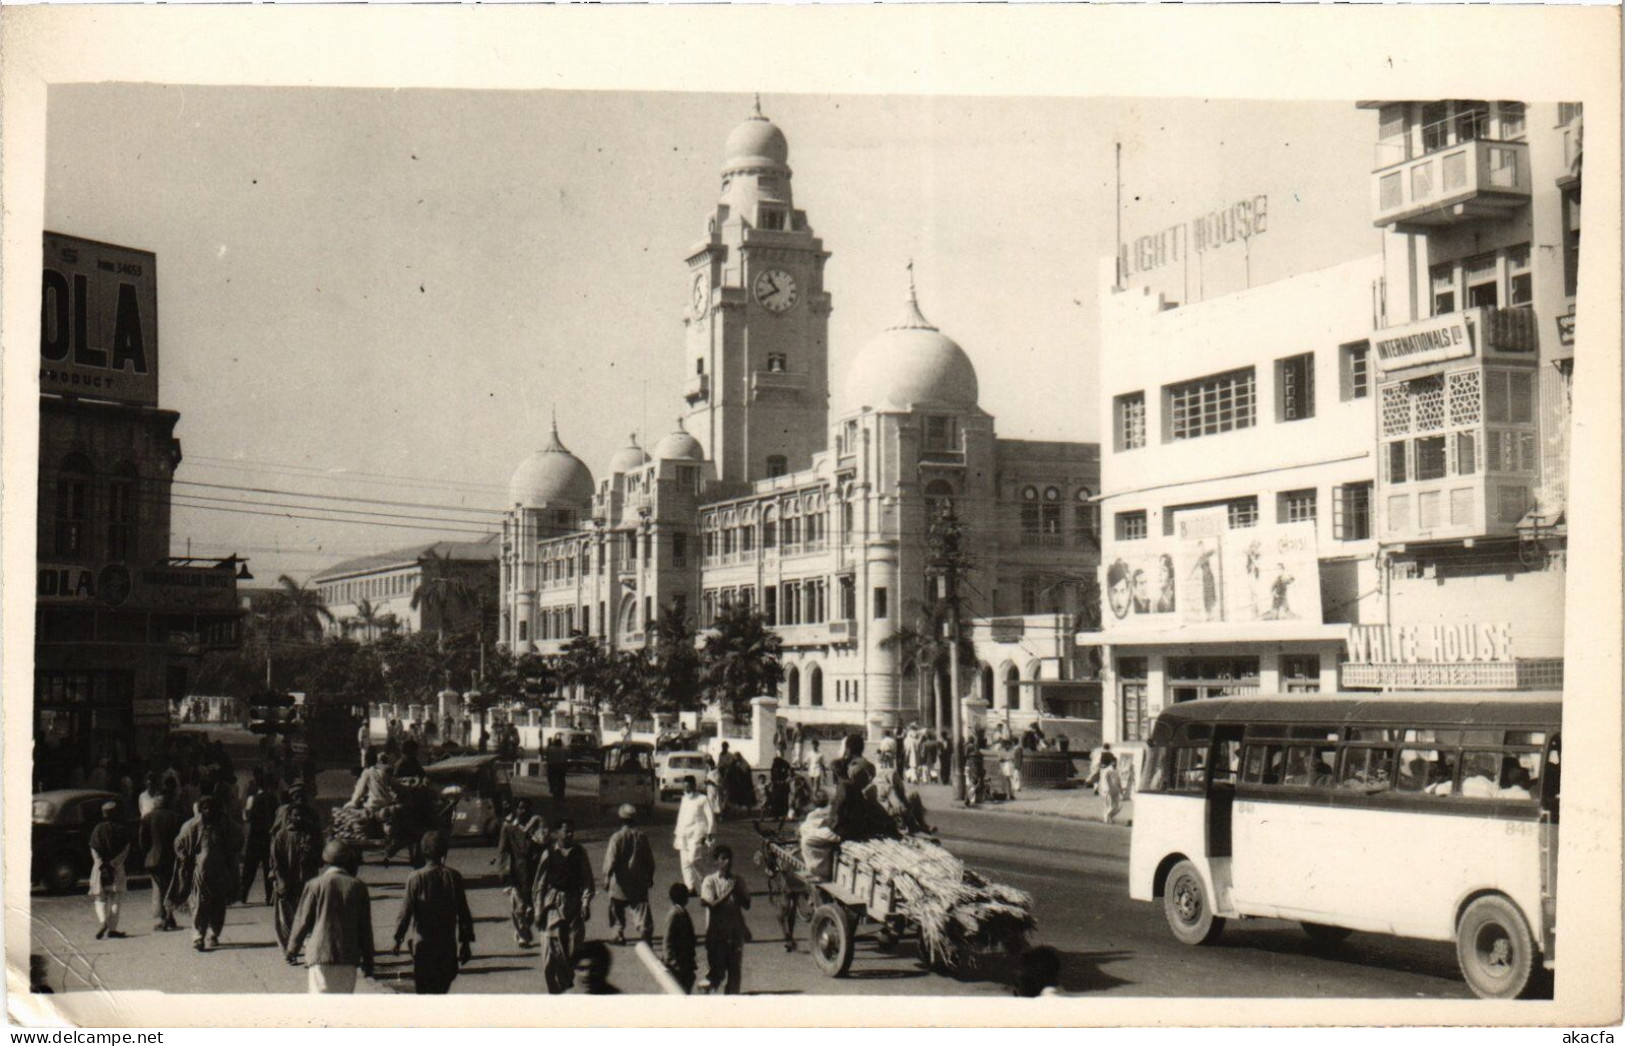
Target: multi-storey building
x=1237 y=501
x=119 y=623
x=388 y=583
x=1479 y=204
x=759 y=496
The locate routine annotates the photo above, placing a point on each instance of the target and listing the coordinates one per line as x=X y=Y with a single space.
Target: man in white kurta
x=696 y=825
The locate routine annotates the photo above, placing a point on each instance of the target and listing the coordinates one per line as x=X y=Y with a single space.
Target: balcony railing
x=698 y=388
x=1456 y=183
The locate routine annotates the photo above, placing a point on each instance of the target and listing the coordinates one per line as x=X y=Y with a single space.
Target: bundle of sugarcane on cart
x=893 y=886
x=416 y=807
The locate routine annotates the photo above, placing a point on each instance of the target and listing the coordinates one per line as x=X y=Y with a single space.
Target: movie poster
x=1271 y=574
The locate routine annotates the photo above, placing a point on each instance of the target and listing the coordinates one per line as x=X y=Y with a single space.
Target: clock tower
x=757 y=383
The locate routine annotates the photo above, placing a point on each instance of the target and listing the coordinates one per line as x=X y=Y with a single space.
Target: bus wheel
x=1320 y=933
x=1189 y=909
x=1495 y=948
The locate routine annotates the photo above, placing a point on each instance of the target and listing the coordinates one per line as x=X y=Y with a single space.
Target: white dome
x=679 y=446
x=551 y=477
x=912 y=364
x=756 y=143
x=628 y=459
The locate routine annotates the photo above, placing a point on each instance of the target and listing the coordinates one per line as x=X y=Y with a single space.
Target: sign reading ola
x=98 y=334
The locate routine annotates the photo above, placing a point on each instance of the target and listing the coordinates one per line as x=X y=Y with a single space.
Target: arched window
x=815 y=686
x=1085 y=529
x=72 y=505
x=1012 y=691
x=939 y=494
x=121 y=513
x=986 y=675
x=770 y=527
x=792 y=685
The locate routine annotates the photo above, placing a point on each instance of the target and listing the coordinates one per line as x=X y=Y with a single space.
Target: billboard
x=99 y=321
x=1208 y=572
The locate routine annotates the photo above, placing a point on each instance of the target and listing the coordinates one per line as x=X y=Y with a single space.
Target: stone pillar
x=973 y=713
x=449 y=701
x=763 y=725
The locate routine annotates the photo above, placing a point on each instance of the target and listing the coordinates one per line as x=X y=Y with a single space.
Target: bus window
x=1479 y=771
x=1368 y=770
x=1526 y=738
x=1378 y=734
x=1156 y=769
x=1520 y=775
x=1262 y=765
x=1190 y=769
x=1310 y=766
x=1426 y=771
x=1226 y=762
x=1314 y=733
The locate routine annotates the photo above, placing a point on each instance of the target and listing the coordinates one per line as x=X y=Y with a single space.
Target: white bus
x=1421 y=815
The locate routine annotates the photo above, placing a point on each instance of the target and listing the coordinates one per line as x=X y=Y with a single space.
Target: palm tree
x=676 y=663
x=367 y=619
x=295 y=611
x=740 y=660
x=925 y=652
x=440 y=592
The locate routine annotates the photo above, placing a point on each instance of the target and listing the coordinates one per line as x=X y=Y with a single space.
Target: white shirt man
x=696 y=824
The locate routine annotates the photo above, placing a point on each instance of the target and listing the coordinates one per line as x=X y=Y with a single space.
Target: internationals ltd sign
x=98 y=334
x=1444 y=337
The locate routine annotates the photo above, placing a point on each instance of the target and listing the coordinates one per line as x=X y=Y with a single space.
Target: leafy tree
x=628 y=684
x=584 y=663
x=343 y=666
x=412 y=666
x=740 y=660
x=675 y=663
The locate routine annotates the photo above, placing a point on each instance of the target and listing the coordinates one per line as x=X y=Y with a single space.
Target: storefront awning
x=1219 y=632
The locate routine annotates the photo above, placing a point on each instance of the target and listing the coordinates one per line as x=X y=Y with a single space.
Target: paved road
x=1076 y=871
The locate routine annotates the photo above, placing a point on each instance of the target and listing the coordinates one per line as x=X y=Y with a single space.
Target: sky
x=385 y=294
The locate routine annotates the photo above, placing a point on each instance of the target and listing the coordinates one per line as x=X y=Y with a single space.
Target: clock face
x=699 y=294
x=775 y=289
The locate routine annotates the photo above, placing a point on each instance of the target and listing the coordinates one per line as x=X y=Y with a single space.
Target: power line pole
x=949 y=562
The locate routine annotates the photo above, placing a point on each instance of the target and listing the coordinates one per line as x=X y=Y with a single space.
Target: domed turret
x=756 y=143
x=551 y=478
x=912 y=364
x=679 y=446
x=628 y=458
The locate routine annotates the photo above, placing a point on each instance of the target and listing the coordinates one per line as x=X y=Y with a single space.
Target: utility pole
x=949 y=562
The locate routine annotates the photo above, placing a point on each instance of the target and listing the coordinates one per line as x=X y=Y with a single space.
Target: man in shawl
x=155 y=839
x=517 y=853
x=563 y=894
x=629 y=875
x=206 y=853
x=109 y=850
x=437 y=902
x=296 y=858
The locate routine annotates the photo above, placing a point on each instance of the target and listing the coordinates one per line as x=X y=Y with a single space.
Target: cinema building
x=764 y=494
x=1236 y=502
x=118 y=622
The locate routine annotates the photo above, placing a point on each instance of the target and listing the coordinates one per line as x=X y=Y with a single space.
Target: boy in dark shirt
x=678 y=938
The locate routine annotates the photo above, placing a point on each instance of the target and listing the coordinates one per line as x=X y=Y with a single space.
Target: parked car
x=627 y=775
x=672 y=767
x=584 y=750
x=63 y=820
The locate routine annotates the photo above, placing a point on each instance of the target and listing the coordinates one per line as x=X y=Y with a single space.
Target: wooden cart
x=855 y=902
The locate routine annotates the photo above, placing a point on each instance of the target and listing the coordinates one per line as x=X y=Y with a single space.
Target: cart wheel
x=831 y=939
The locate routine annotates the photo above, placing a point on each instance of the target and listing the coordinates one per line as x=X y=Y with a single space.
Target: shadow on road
x=1369 y=951
x=1081 y=971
